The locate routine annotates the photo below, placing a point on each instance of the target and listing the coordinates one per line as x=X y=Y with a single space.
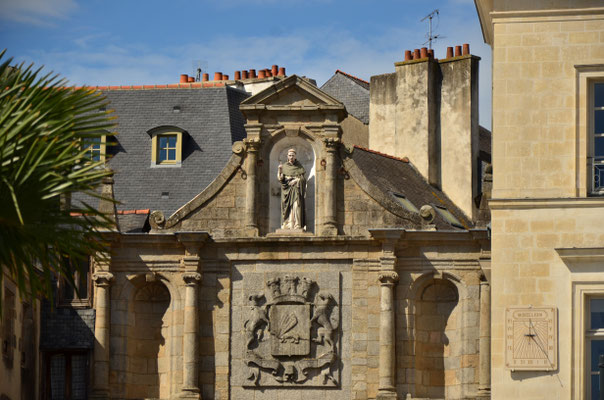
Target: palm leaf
x=45 y=128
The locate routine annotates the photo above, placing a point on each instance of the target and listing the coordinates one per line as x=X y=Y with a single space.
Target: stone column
x=102 y=282
x=386 y=388
x=484 y=377
x=190 y=348
x=251 y=191
x=329 y=218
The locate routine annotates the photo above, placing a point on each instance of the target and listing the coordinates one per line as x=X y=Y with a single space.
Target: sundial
x=531 y=338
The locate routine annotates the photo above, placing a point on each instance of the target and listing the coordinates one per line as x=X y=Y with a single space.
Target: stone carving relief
x=291 y=334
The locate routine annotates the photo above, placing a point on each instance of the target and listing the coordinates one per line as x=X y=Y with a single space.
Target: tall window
x=78 y=296
x=66 y=375
x=595 y=345
x=597 y=131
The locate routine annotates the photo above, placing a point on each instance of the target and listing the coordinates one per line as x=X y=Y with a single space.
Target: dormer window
x=96 y=147
x=166 y=146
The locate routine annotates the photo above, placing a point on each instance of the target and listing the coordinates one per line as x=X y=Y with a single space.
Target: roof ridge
x=352 y=76
x=404 y=159
x=195 y=85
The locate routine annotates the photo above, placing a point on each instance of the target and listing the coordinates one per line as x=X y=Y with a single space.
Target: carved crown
x=290 y=288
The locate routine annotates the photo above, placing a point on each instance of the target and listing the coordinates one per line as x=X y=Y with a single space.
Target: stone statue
x=293 y=191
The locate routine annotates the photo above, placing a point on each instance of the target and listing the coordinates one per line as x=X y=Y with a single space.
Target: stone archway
x=438 y=340
x=148 y=361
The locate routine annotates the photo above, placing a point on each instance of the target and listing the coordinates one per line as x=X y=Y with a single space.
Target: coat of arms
x=291 y=333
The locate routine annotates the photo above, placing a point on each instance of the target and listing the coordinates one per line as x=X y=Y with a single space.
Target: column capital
x=102 y=279
x=252 y=144
x=191 y=278
x=389 y=278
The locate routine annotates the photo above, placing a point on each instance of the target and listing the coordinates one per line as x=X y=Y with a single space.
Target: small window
x=96 y=147
x=166 y=147
x=595 y=345
x=448 y=216
x=597 y=133
x=78 y=296
x=403 y=201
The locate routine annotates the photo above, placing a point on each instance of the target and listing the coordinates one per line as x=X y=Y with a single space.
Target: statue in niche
x=293 y=191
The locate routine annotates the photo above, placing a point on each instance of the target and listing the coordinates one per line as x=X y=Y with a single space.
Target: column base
x=386 y=395
x=189 y=393
x=329 y=229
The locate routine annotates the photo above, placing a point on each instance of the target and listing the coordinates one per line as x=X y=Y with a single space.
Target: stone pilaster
x=484 y=374
x=386 y=388
x=190 y=351
x=102 y=282
x=330 y=227
x=251 y=188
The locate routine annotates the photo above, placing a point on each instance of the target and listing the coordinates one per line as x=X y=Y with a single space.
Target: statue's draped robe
x=292 y=197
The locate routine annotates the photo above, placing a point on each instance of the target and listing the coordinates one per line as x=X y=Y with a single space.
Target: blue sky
x=106 y=42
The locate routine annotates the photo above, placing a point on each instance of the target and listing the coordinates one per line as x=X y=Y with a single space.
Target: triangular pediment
x=294 y=92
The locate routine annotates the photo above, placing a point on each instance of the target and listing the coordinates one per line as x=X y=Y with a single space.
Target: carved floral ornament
x=293 y=336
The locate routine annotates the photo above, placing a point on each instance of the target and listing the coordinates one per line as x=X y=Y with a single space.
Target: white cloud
x=316 y=53
x=36 y=12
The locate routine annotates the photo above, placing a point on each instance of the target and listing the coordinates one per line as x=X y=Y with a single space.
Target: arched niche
x=307 y=157
x=148 y=358
x=438 y=340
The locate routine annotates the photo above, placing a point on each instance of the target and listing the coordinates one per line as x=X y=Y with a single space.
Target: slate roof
x=397 y=175
x=352 y=91
x=484 y=143
x=212 y=122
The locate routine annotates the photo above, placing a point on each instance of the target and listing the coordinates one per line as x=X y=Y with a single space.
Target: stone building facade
x=547 y=207
x=374 y=299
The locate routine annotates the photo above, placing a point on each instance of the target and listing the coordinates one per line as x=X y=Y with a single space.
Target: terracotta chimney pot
x=466 y=49
x=217 y=76
x=431 y=53
x=244 y=74
x=449 y=52
x=416 y=54
x=184 y=78
x=408 y=56
x=261 y=74
x=237 y=75
x=191 y=79
x=253 y=74
x=205 y=77
x=275 y=70
x=424 y=52
x=281 y=71
x=457 y=51
x=225 y=77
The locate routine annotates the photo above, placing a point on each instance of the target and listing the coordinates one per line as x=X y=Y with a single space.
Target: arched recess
x=438 y=304
x=148 y=352
x=306 y=154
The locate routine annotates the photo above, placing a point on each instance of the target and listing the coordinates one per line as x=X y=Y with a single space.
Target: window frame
x=76 y=301
x=586 y=76
x=590 y=335
x=156 y=134
x=592 y=135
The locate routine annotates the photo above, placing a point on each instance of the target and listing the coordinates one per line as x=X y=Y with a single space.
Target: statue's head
x=291 y=156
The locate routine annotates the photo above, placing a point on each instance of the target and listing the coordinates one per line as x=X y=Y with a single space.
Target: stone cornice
x=532 y=203
x=585 y=254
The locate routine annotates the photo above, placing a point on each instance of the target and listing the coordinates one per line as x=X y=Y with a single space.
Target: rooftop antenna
x=431 y=37
x=199 y=66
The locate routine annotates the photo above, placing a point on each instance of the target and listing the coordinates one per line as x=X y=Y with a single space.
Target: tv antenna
x=430 y=36
x=199 y=66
